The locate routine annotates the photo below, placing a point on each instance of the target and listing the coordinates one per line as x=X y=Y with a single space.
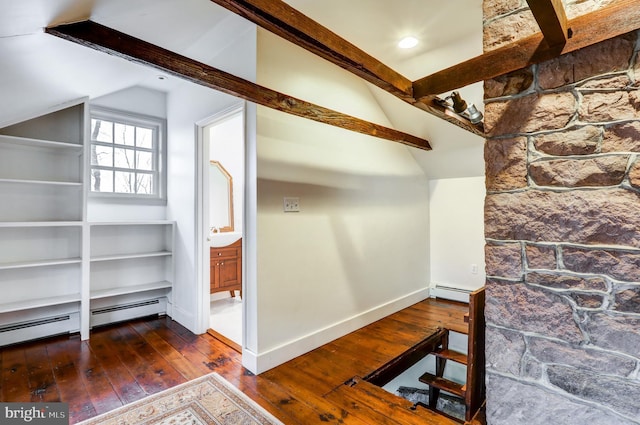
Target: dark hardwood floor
x=126 y=362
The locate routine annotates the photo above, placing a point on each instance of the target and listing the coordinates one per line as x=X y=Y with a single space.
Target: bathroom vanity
x=226 y=268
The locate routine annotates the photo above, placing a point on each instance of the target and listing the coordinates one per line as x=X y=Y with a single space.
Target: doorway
x=222 y=140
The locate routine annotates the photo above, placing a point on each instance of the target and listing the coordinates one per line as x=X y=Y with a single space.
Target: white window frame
x=159 y=144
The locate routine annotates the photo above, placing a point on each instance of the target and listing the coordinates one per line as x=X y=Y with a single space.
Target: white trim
x=250 y=237
x=185 y=317
x=276 y=356
x=202 y=317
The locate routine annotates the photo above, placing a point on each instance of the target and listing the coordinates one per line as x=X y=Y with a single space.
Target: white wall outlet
x=474 y=269
x=291 y=204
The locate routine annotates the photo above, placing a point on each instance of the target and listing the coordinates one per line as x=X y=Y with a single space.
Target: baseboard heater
x=453 y=294
x=122 y=312
x=39 y=328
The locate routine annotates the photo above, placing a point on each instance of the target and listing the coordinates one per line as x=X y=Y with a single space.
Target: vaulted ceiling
x=39 y=70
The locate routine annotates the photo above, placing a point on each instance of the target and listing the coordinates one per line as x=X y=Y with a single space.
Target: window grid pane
x=102 y=130
x=102 y=155
x=144 y=184
x=144 y=137
x=144 y=161
x=124 y=182
x=124 y=158
x=124 y=134
x=101 y=180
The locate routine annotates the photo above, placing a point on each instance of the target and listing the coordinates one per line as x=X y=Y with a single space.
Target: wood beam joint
x=552 y=20
x=281 y=19
x=618 y=18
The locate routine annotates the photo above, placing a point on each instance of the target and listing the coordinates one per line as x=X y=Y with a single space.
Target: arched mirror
x=221 y=198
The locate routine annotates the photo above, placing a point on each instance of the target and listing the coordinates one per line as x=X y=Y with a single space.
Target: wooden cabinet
x=226 y=267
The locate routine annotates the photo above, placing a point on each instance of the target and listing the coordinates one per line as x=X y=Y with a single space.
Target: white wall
x=358 y=249
x=457 y=232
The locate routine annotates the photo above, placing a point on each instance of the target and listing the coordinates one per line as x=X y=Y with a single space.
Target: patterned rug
x=209 y=399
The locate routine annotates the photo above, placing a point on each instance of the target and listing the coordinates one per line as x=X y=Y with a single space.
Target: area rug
x=209 y=399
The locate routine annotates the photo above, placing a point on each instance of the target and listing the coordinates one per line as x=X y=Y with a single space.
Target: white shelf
x=131 y=256
x=39 y=263
x=38 y=143
x=40 y=223
x=39 y=302
x=129 y=223
x=41 y=182
x=124 y=290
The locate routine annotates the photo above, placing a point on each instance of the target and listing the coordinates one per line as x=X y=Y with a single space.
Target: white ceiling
x=38 y=70
x=376 y=26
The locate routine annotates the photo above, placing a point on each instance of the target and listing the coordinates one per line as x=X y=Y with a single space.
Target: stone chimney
x=562 y=228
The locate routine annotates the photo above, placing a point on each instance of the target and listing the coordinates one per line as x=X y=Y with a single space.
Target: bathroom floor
x=226 y=318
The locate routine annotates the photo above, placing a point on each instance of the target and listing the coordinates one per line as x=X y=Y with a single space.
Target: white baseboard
x=185 y=318
x=453 y=294
x=261 y=362
x=250 y=360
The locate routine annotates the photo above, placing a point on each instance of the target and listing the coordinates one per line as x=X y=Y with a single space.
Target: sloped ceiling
x=40 y=71
x=450 y=32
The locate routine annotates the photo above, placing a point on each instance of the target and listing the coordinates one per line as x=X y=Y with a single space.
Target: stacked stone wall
x=562 y=227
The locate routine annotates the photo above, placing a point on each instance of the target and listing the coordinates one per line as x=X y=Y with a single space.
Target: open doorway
x=222 y=162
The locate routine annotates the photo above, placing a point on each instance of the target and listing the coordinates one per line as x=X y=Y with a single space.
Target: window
x=126 y=155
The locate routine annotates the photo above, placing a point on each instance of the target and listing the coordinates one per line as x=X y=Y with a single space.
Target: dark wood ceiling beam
x=279 y=18
x=620 y=17
x=107 y=40
x=551 y=19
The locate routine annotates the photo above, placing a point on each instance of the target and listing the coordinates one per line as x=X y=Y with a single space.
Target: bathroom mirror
x=220 y=198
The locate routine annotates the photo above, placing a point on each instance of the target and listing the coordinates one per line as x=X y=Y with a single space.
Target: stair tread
x=444 y=384
x=451 y=355
x=372 y=404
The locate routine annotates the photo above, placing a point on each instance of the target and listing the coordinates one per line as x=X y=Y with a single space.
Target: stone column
x=562 y=227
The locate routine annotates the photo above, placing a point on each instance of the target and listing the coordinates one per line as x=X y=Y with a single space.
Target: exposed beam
x=551 y=19
x=279 y=18
x=107 y=40
x=620 y=17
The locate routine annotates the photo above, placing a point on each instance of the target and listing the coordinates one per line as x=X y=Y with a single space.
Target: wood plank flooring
x=126 y=362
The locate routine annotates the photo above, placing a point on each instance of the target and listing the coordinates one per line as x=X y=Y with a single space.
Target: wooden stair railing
x=473 y=390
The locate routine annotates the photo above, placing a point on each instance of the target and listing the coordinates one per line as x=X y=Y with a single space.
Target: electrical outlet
x=474 y=269
x=291 y=204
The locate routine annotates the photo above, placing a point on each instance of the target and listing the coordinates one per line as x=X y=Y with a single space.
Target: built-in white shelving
x=39 y=303
x=40 y=263
x=125 y=290
x=131 y=256
x=130 y=262
x=26 y=142
x=40 y=223
x=58 y=271
x=44 y=182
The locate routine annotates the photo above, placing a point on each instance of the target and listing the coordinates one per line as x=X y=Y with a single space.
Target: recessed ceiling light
x=408 y=42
